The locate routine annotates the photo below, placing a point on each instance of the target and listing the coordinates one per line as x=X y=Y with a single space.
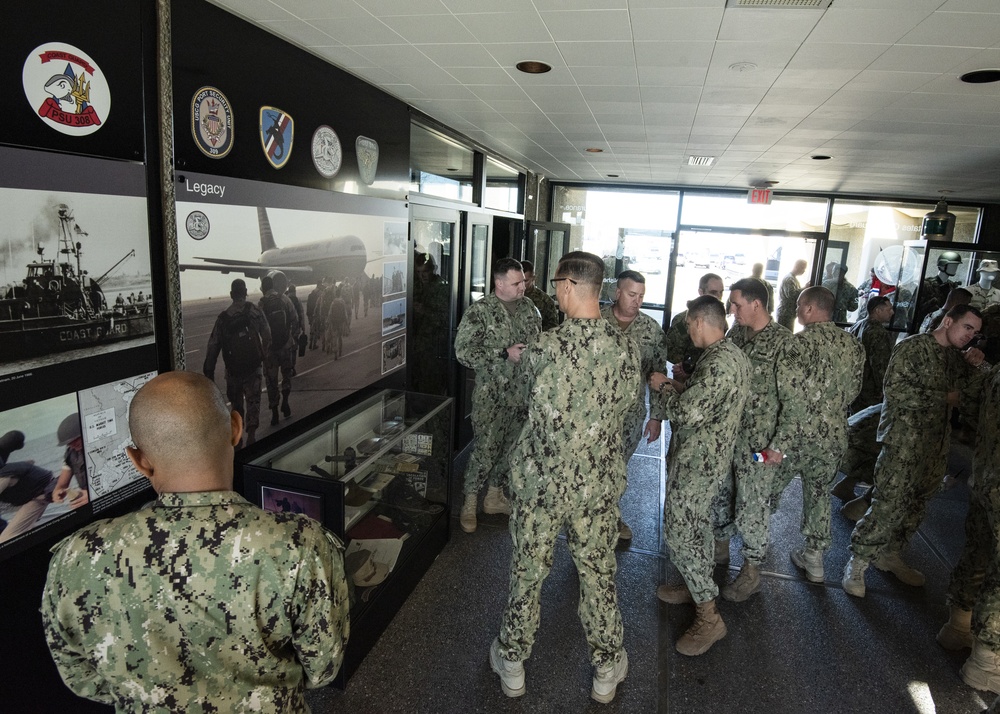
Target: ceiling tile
x=890 y=81
x=508 y=54
x=353 y=31
x=664 y=25
x=302 y=32
x=949 y=28
x=256 y=10
x=388 y=8
x=674 y=54
x=506 y=27
x=672 y=76
x=459 y=55
x=430 y=29
x=605 y=75
x=597 y=54
x=588 y=25
x=837 y=56
x=865 y=25
x=913 y=58
x=777 y=25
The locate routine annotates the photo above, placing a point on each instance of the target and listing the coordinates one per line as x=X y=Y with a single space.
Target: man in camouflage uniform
x=704 y=415
x=579 y=380
x=767 y=426
x=242 y=388
x=757 y=271
x=788 y=294
x=625 y=313
x=975 y=582
x=957 y=296
x=922 y=385
x=858 y=462
x=543 y=301
x=125 y=604
x=873 y=336
x=679 y=348
x=833 y=363
x=845 y=294
x=277 y=308
x=490 y=339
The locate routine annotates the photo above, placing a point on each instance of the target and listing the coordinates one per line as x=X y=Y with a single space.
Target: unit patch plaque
x=367 y=150
x=277 y=131
x=66 y=89
x=212 y=122
x=326 y=151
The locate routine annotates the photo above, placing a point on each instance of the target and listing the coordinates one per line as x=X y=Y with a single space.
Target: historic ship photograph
x=60 y=305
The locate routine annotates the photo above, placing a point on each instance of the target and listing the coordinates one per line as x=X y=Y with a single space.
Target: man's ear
x=140 y=461
x=236 y=423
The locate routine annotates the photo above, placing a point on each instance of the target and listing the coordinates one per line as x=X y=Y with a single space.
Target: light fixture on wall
x=533 y=67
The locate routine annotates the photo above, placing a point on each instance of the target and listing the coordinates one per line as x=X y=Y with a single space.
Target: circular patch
x=212 y=122
x=66 y=89
x=326 y=151
x=197 y=225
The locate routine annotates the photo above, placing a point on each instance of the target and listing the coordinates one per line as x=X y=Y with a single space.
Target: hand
x=652 y=431
x=82 y=499
x=974 y=356
x=514 y=352
x=59 y=494
x=774 y=457
x=657 y=380
x=678 y=371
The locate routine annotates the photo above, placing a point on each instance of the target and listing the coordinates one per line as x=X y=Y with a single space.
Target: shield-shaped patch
x=276 y=135
x=367 y=151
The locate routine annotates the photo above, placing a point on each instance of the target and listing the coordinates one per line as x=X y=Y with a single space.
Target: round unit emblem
x=197 y=225
x=66 y=89
x=326 y=151
x=212 y=122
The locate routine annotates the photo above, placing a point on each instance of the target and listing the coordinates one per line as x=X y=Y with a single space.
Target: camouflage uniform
x=704 y=419
x=486 y=329
x=788 y=293
x=932 y=320
x=858 y=461
x=280 y=356
x=200 y=602
x=678 y=341
x=648 y=337
x=914 y=431
x=845 y=298
x=832 y=363
x=566 y=475
x=242 y=390
x=546 y=306
x=975 y=582
x=744 y=499
x=878 y=346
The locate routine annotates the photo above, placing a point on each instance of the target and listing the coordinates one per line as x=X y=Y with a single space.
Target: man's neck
x=620 y=317
x=589 y=310
x=759 y=325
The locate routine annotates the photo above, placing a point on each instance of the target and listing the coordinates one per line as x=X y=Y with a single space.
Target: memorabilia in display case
x=928 y=271
x=378 y=475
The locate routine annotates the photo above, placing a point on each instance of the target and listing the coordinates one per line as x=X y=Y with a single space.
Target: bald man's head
x=181 y=425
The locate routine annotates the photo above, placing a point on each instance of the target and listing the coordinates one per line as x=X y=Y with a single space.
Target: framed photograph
x=393 y=353
x=394 y=277
x=393 y=238
x=284 y=492
x=282 y=500
x=393 y=316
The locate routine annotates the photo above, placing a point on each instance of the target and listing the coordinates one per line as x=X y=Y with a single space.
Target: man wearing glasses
x=566 y=475
x=647 y=335
x=490 y=338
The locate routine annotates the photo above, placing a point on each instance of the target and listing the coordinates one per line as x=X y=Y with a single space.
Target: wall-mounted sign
x=326 y=151
x=277 y=132
x=367 y=150
x=759 y=195
x=212 y=122
x=66 y=88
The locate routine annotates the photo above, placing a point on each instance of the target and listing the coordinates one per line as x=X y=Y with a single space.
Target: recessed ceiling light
x=981 y=76
x=533 y=67
x=701 y=160
x=743 y=66
x=612 y=175
x=821 y=157
x=595 y=151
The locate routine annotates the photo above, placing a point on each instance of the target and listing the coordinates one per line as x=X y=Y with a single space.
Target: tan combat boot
x=957 y=632
x=745 y=585
x=467 y=517
x=982 y=669
x=844 y=489
x=708 y=628
x=674 y=594
x=496 y=502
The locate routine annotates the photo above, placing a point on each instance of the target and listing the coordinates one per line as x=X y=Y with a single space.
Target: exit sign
x=759 y=195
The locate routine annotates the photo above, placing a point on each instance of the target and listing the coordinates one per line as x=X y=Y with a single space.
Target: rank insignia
x=367 y=151
x=277 y=131
x=66 y=89
x=212 y=122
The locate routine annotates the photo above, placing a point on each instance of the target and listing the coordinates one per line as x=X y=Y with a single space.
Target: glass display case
x=928 y=270
x=377 y=475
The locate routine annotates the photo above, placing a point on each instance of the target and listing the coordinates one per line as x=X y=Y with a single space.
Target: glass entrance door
x=546 y=244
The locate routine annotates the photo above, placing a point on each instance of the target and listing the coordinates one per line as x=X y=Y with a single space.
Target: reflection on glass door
x=732 y=256
x=434 y=232
x=547 y=243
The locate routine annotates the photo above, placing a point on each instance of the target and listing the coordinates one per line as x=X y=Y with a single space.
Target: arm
x=878 y=352
x=213 y=349
x=476 y=344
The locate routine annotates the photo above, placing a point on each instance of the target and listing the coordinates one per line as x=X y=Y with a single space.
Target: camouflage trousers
x=687 y=528
x=975 y=582
x=755 y=485
x=590 y=519
x=818 y=471
x=273 y=362
x=632 y=430
x=243 y=394
x=495 y=429
x=906 y=476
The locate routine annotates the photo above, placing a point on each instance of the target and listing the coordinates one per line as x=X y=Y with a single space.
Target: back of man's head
x=820 y=298
x=709 y=309
x=958 y=296
x=757 y=270
x=751 y=289
x=877 y=302
x=180 y=423
x=585 y=268
x=528 y=266
x=238 y=289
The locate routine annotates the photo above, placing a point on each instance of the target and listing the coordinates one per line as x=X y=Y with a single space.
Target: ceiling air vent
x=701 y=160
x=781 y=4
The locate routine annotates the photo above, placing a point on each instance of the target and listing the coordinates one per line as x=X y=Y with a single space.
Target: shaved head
x=183 y=431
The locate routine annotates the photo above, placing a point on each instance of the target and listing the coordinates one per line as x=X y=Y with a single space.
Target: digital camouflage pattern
x=546 y=305
x=845 y=298
x=678 y=340
x=580 y=379
x=199 y=603
x=648 y=337
x=832 y=363
x=743 y=504
x=488 y=328
x=788 y=293
x=914 y=431
x=878 y=347
x=975 y=582
x=704 y=420
x=858 y=461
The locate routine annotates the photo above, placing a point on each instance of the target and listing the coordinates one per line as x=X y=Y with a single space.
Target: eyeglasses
x=553 y=281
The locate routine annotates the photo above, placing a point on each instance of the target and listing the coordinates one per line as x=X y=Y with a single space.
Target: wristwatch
x=504 y=354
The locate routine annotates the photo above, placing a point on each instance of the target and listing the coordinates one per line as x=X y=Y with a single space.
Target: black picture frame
x=329 y=492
